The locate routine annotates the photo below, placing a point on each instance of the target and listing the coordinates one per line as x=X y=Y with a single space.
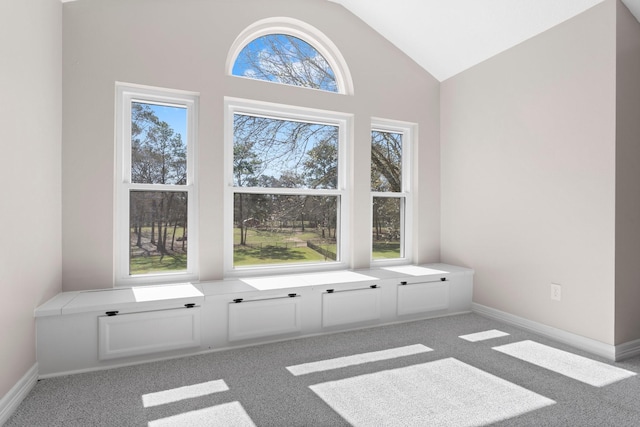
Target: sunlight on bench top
x=414 y=270
x=83 y=301
x=302 y=280
x=155 y=293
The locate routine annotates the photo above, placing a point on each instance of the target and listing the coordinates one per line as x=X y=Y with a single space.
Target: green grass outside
x=255 y=237
x=152 y=264
x=272 y=248
x=248 y=256
x=385 y=250
x=268 y=254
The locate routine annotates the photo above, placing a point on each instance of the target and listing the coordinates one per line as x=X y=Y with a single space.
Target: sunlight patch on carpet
x=485 y=335
x=579 y=368
x=357 y=359
x=181 y=393
x=443 y=393
x=224 y=415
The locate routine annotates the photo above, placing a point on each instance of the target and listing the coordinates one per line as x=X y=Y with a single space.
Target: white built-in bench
x=88 y=330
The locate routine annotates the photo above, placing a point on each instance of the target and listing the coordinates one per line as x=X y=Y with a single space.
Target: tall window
x=286 y=185
x=390 y=191
x=155 y=188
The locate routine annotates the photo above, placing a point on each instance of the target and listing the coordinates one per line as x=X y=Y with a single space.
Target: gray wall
x=627 y=315
x=30 y=121
x=529 y=172
x=183 y=44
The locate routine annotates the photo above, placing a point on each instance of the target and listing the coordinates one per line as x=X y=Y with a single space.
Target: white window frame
x=408 y=131
x=344 y=122
x=299 y=29
x=125 y=95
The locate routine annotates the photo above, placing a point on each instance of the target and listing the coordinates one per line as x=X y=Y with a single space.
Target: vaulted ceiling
x=446 y=37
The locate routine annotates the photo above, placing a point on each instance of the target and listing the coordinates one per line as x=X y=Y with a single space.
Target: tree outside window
x=158 y=219
x=285 y=59
x=155 y=186
x=388 y=206
x=285 y=203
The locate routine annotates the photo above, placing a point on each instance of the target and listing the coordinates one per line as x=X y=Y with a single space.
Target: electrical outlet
x=556 y=292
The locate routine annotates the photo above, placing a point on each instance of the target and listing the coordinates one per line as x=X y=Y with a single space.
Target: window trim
x=409 y=132
x=344 y=122
x=127 y=93
x=303 y=31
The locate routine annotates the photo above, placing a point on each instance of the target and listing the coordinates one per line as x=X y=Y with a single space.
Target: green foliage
x=321 y=166
x=158 y=154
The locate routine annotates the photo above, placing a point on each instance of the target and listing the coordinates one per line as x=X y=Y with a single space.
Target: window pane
x=277 y=229
x=277 y=153
x=285 y=59
x=386 y=161
x=158 y=232
x=158 y=144
x=387 y=228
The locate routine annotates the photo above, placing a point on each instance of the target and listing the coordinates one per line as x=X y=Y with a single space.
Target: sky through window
x=286 y=59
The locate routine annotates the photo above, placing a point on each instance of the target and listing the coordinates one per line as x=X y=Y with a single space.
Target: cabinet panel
x=361 y=305
x=148 y=332
x=423 y=297
x=261 y=318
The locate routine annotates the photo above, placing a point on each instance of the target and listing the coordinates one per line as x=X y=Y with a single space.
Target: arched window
x=288 y=51
x=283 y=58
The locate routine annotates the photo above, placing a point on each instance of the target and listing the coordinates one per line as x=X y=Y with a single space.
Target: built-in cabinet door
x=148 y=332
x=265 y=317
x=422 y=297
x=352 y=306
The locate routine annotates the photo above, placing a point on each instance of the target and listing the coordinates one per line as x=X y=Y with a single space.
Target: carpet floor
x=463 y=370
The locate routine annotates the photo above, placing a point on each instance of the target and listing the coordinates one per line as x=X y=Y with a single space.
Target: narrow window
x=389 y=187
x=155 y=187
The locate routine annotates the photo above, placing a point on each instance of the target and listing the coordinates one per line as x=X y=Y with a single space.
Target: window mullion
x=288 y=191
x=388 y=194
x=159 y=187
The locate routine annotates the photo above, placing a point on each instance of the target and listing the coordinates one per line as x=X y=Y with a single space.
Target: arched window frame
x=303 y=31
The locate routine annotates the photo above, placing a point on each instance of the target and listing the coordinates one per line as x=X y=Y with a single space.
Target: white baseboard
x=10 y=402
x=587 y=344
x=627 y=350
x=615 y=353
